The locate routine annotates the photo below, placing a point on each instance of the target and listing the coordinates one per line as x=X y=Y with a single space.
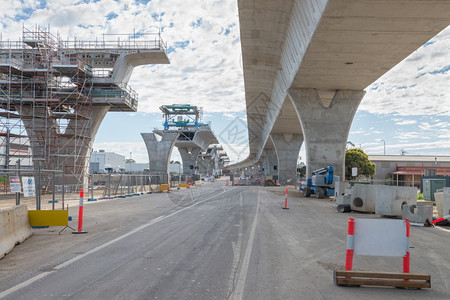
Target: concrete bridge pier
x=189 y=157
x=270 y=162
x=325 y=117
x=203 y=165
x=69 y=150
x=159 y=153
x=287 y=146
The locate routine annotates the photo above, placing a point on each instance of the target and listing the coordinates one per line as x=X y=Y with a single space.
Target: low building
x=135 y=167
x=407 y=170
x=15 y=149
x=102 y=159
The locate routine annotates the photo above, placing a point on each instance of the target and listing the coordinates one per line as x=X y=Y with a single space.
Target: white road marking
x=24 y=284
x=239 y=292
x=77 y=258
x=236 y=254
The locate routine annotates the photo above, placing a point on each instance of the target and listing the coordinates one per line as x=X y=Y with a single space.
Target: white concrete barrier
x=363 y=198
x=442 y=200
x=382 y=199
x=14 y=228
x=390 y=199
x=421 y=214
x=340 y=188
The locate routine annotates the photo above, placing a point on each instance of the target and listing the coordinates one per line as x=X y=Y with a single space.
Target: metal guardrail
x=130 y=44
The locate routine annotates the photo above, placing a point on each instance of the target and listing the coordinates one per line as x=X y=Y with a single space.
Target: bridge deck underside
x=348 y=44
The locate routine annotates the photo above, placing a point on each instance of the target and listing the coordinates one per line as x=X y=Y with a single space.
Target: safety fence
x=47 y=189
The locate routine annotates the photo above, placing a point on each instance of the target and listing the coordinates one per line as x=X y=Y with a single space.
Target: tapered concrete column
x=69 y=150
x=270 y=162
x=189 y=157
x=203 y=164
x=326 y=118
x=159 y=153
x=287 y=147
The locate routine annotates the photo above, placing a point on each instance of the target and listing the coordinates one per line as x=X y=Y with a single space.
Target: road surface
x=210 y=242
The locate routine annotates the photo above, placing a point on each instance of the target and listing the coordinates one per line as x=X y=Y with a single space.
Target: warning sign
x=29 y=189
x=14 y=184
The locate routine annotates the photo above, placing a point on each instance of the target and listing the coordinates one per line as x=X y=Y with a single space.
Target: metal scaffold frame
x=45 y=103
x=55 y=93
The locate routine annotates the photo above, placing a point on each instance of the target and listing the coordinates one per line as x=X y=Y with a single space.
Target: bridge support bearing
x=287 y=147
x=159 y=153
x=325 y=127
x=189 y=157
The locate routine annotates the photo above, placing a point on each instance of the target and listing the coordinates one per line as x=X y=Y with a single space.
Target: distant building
x=135 y=167
x=407 y=170
x=16 y=148
x=102 y=159
x=143 y=168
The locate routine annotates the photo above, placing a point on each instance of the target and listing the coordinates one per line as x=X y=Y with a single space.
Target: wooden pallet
x=400 y=280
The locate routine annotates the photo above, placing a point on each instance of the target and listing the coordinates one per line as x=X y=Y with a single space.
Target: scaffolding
x=48 y=88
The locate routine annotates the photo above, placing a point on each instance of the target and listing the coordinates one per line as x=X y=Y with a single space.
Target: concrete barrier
x=340 y=190
x=390 y=199
x=381 y=199
x=363 y=198
x=421 y=214
x=442 y=200
x=14 y=228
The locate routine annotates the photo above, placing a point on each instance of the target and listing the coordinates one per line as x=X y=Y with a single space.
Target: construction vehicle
x=321 y=183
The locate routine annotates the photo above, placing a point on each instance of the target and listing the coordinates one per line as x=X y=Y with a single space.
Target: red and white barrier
x=441 y=219
x=350 y=244
x=406 y=257
x=378 y=238
x=285 y=200
x=80 y=214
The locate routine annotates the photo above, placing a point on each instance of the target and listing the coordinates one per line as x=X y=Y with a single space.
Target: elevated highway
x=306 y=64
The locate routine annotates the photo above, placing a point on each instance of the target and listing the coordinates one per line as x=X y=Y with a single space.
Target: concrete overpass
x=306 y=64
x=189 y=143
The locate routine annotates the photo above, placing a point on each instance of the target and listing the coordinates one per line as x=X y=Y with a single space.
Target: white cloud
x=406 y=122
x=202 y=37
x=416 y=86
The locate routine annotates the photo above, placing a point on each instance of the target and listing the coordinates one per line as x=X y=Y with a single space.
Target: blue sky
x=408 y=107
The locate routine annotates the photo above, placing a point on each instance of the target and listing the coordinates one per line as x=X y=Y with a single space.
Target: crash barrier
x=14 y=229
x=184 y=185
x=420 y=214
x=248 y=181
x=380 y=199
x=442 y=199
x=41 y=218
x=379 y=238
x=164 y=188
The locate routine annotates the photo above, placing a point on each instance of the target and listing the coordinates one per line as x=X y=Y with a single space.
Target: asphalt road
x=213 y=242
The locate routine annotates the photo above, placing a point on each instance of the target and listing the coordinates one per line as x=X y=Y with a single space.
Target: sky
x=408 y=108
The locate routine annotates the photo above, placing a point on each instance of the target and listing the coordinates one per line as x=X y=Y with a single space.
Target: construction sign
x=14 y=184
x=29 y=189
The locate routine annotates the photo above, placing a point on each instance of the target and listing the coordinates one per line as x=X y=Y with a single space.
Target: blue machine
x=320 y=184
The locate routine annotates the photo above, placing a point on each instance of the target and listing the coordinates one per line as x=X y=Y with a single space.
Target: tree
x=129 y=161
x=357 y=158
